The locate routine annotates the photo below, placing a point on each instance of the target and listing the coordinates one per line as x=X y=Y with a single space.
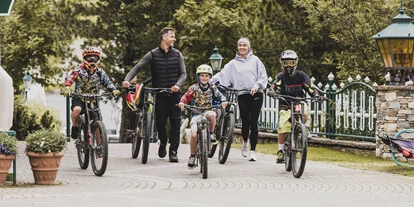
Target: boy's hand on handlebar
x=126 y=84
x=271 y=93
x=181 y=105
x=224 y=105
x=320 y=98
x=66 y=91
x=175 y=88
x=116 y=93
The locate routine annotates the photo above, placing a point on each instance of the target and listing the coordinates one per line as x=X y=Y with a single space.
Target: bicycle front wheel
x=300 y=151
x=147 y=136
x=82 y=145
x=288 y=152
x=136 y=142
x=227 y=134
x=99 y=148
x=203 y=139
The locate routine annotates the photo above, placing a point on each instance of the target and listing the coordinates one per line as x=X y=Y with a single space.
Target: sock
x=280 y=146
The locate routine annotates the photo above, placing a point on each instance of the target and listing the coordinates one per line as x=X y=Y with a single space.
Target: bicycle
x=92 y=137
x=225 y=125
x=296 y=142
x=203 y=138
x=148 y=115
x=405 y=147
x=134 y=131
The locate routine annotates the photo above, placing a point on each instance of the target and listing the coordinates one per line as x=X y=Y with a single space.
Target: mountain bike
x=92 y=138
x=134 y=133
x=203 y=138
x=296 y=142
x=403 y=146
x=148 y=114
x=225 y=125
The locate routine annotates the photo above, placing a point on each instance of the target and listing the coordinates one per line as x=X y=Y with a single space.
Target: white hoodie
x=243 y=73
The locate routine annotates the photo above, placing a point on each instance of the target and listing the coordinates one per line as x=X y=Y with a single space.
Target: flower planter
x=5 y=163
x=45 y=166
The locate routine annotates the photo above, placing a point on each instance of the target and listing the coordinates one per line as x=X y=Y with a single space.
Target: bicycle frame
x=297 y=141
x=203 y=132
x=91 y=120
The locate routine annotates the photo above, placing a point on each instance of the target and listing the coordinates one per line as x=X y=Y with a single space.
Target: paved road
x=128 y=182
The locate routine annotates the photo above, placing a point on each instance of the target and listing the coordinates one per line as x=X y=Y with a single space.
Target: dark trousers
x=250 y=107
x=165 y=107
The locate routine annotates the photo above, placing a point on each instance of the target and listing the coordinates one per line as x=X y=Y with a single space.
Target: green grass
x=344 y=159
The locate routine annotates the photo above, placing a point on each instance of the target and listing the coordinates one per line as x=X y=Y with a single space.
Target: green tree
x=350 y=24
x=36 y=38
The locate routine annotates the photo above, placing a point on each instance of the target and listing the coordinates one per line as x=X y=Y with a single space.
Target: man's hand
x=66 y=91
x=126 y=84
x=271 y=93
x=224 y=105
x=181 y=105
x=253 y=91
x=175 y=88
x=116 y=92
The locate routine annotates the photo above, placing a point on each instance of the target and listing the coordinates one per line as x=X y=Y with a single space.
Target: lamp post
x=395 y=44
x=216 y=60
x=27 y=81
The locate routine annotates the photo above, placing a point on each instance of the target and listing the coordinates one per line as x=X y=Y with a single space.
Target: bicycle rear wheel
x=82 y=145
x=288 y=152
x=300 y=151
x=136 y=140
x=147 y=136
x=99 y=148
x=203 y=138
x=227 y=134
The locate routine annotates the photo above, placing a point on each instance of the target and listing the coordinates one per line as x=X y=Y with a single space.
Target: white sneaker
x=244 y=150
x=252 y=156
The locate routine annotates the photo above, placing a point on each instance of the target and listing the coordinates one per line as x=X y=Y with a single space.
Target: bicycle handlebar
x=295 y=99
x=157 y=90
x=232 y=89
x=90 y=95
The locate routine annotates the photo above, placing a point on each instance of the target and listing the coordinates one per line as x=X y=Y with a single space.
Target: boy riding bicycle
x=88 y=78
x=202 y=94
x=290 y=82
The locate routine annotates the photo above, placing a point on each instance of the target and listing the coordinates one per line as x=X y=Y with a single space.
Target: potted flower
x=44 y=149
x=8 y=151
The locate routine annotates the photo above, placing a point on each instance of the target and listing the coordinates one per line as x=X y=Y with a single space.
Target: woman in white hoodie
x=246 y=72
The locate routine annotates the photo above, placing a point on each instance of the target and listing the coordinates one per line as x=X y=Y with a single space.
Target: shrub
x=45 y=141
x=8 y=144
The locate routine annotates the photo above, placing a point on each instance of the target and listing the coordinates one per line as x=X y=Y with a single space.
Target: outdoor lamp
x=215 y=60
x=27 y=81
x=396 y=43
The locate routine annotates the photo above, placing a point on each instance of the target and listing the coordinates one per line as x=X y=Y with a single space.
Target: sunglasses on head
x=288 y=63
x=92 y=58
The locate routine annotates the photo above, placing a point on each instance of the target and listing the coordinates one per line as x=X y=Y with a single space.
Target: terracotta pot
x=5 y=163
x=45 y=166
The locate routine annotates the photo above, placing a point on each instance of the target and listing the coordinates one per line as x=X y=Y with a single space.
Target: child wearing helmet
x=202 y=94
x=290 y=82
x=88 y=77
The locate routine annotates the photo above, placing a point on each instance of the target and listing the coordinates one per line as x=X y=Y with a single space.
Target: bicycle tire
x=99 y=149
x=300 y=152
x=204 y=150
x=147 y=136
x=227 y=134
x=288 y=152
x=82 y=145
x=136 y=140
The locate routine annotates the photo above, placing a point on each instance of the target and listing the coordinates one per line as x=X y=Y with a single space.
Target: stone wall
x=395 y=111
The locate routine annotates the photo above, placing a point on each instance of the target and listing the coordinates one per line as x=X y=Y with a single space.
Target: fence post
x=330 y=129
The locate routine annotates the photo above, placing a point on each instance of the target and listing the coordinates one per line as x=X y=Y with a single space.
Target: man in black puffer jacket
x=167 y=71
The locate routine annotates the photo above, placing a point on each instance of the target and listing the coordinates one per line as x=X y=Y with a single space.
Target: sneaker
x=213 y=139
x=191 y=162
x=252 y=156
x=162 y=151
x=244 y=150
x=280 y=157
x=75 y=132
x=308 y=134
x=173 y=156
